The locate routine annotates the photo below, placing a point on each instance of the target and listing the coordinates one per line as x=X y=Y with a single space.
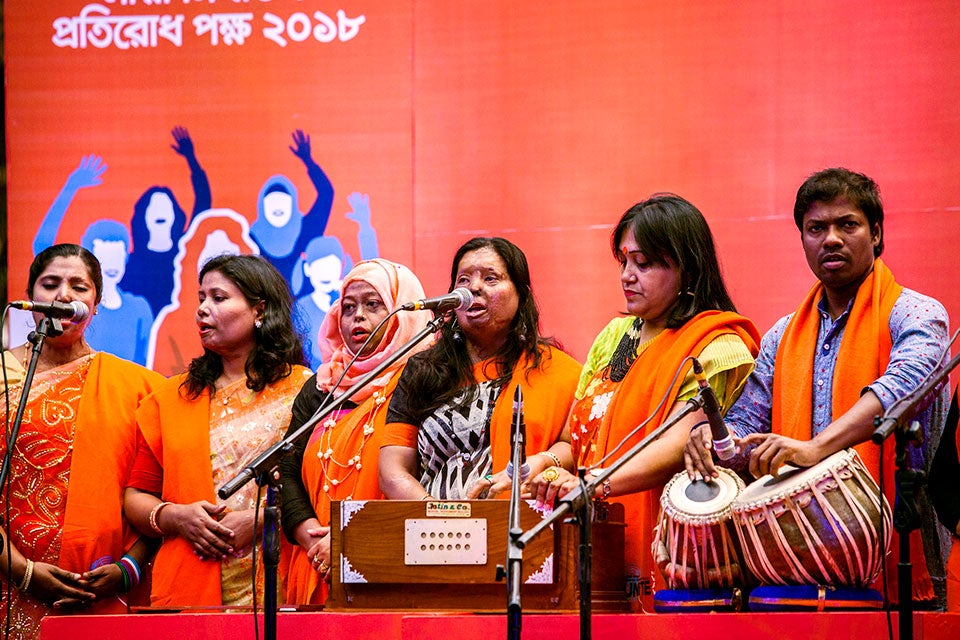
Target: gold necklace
x=330 y=463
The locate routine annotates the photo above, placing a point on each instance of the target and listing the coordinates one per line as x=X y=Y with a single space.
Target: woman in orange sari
x=338 y=459
x=201 y=428
x=70 y=548
x=677 y=306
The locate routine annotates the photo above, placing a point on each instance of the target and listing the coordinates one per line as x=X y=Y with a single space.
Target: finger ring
x=550 y=474
x=489 y=478
x=323 y=568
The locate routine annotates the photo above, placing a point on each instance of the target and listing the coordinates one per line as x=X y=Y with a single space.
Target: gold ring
x=550 y=474
x=323 y=568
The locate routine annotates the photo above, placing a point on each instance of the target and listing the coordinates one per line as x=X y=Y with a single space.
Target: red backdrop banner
x=538 y=121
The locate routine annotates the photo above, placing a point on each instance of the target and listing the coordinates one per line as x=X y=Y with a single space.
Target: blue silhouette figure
x=123 y=322
x=323 y=265
x=157 y=225
x=87 y=174
x=281 y=231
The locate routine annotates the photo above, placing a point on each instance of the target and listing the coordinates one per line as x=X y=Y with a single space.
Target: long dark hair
x=277 y=346
x=435 y=376
x=669 y=228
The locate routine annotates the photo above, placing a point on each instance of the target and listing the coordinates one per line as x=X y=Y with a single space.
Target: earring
x=455 y=327
x=258 y=323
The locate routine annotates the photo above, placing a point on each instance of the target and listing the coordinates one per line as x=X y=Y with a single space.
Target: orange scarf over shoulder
x=179 y=576
x=648 y=380
x=103 y=451
x=863 y=356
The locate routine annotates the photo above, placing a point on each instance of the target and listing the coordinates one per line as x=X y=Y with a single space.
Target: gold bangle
x=27 y=576
x=154 y=514
x=552 y=456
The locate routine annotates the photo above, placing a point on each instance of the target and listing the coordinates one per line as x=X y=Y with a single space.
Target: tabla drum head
x=769 y=489
x=698 y=498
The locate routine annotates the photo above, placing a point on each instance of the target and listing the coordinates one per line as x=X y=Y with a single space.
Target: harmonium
x=444 y=555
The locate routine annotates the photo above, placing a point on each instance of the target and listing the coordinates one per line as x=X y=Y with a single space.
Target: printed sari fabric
x=73 y=454
x=198 y=445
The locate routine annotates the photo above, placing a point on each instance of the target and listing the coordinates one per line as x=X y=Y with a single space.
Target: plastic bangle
x=524 y=470
x=154 y=514
x=125 y=576
x=133 y=569
x=552 y=456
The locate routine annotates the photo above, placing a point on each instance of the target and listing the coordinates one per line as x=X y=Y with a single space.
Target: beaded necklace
x=329 y=464
x=626 y=351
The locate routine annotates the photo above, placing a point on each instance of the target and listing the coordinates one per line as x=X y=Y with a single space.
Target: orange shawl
x=647 y=381
x=346 y=439
x=104 y=448
x=863 y=356
x=177 y=431
x=547 y=396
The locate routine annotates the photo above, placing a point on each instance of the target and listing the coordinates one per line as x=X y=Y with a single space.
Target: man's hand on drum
x=772 y=451
x=698 y=454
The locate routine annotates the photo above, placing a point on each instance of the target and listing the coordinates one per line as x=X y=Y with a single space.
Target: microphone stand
x=261 y=467
x=908 y=483
x=577 y=502
x=48 y=327
x=271 y=554
x=514 y=550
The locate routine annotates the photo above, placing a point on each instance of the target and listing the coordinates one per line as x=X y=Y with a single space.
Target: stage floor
x=453 y=626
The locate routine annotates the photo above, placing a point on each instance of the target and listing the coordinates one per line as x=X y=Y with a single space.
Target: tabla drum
x=695 y=544
x=822 y=525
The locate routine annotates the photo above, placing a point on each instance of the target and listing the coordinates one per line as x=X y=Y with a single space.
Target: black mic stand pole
x=261 y=468
x=575 y=501
x=271 y=554
x=48 y=327
x=514 y=569
x=908 y=482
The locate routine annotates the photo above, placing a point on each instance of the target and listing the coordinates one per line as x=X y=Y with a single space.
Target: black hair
x=435 y=376
x=277 y=345
x=838 y=183
x=45 y=257
x=669 y=229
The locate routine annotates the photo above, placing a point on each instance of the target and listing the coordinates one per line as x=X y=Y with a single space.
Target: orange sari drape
x=326 y=481
x=91 y=526
x=636 y=397
x=863 y=356
x=177 y=430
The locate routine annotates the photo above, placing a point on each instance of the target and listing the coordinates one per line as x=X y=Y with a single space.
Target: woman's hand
x=550 y=484
x=241 y=524
x=103 y=581
x=62 y=589
x=197 y=524
x=489 y=486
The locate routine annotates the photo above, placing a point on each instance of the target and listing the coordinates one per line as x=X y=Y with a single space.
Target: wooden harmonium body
x=443 y=555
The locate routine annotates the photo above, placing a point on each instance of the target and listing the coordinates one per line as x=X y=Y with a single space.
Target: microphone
x=518 y=437
x=458 y=299
x=722 y=442
x=75 y=310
